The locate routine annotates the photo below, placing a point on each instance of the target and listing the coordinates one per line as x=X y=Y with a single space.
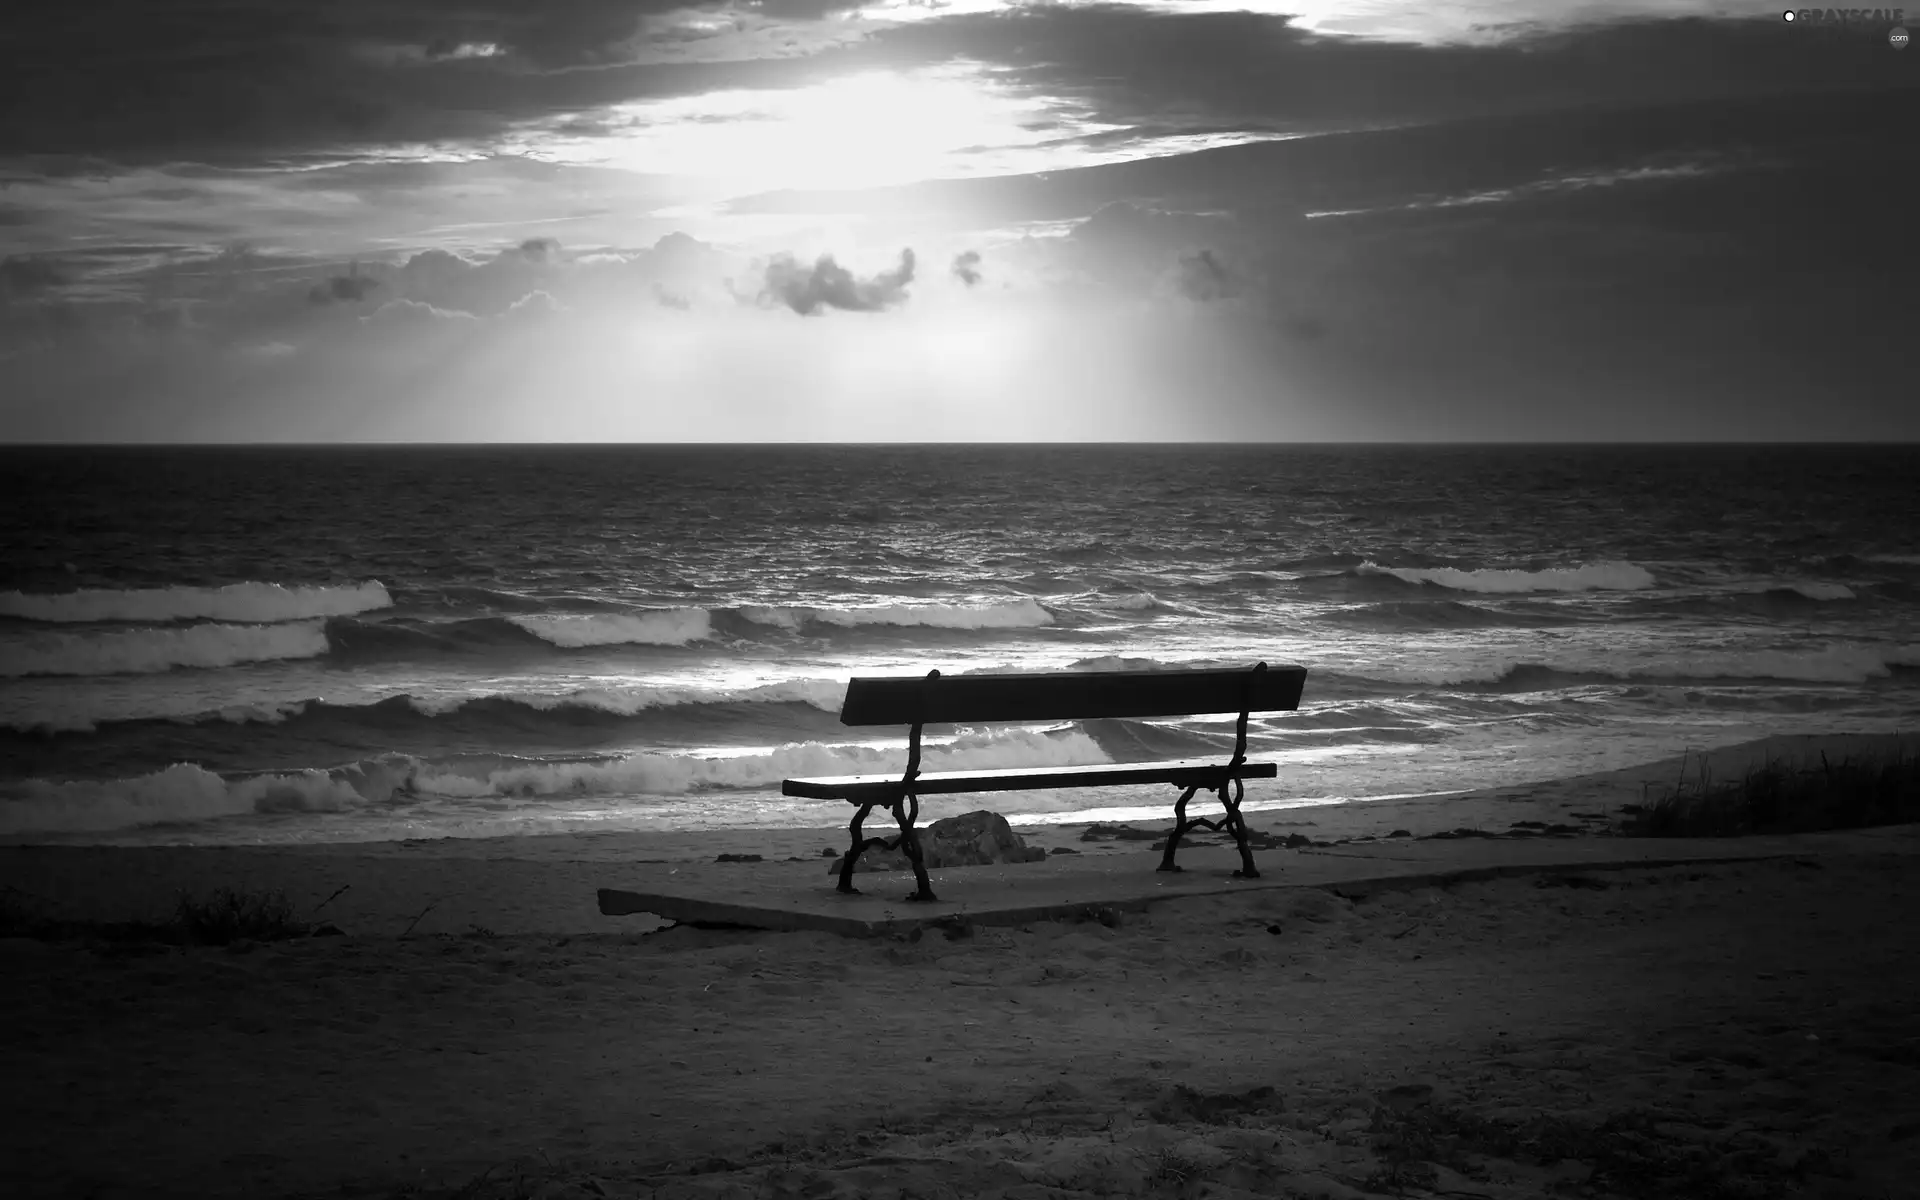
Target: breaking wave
x=521 y=712
x=243 y=602
x=1022 y=613
x=185 y=792
x=1817 y=590
x=1440 y=614
x=144 y=651
x=661 y=627
x=1831 y=664
x=1589 y=577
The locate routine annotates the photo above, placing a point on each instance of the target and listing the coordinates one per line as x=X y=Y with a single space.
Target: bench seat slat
x=1180 y=771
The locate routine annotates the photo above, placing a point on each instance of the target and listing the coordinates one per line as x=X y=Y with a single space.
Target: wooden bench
x=1053 y=696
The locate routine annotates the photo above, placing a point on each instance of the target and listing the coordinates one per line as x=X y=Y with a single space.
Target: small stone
x=738 y=858
x=1099 y=832
x=971 y=839
x=1063 y=850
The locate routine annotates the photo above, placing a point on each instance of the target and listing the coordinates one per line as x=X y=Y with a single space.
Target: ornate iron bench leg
x=859 y=847
x=1180 y=827
x=1239 y=827
x=923 y=891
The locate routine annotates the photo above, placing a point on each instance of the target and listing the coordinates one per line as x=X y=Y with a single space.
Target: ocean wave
x=182 y=792
x=1828 y=664
x=145 y=651
x=659 y=627
x=1763 y=600
x=186 y=792
x=674 y=774
x=468 y=598
x=521 y=714
x=1588 y=577
x=1440 y=614
x=1022 y=613
x=1814 y=589
x=1145 y=741
x=239 y=602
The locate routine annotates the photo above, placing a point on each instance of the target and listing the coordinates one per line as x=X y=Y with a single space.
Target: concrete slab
x=796 y=896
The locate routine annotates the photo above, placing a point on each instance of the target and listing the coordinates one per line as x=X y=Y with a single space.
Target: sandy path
x=1015 y=1060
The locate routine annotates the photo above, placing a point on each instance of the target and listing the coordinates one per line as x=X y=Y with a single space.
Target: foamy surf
x=183 y=792
x=1023 y=613
x=1588 y=577
x=145 y=651
x=677 y=774
x=242 y=602
x=660 y=627
x=186 y=792
x=1819 y=664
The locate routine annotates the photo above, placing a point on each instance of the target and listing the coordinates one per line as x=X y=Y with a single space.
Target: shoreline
x=548 y=883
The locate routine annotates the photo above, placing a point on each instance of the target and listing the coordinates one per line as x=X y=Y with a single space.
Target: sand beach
x=478 y=1028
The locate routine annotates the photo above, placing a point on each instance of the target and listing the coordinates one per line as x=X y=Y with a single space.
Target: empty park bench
x=1053 y=696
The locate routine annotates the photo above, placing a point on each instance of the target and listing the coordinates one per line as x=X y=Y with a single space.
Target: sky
x=916 y=220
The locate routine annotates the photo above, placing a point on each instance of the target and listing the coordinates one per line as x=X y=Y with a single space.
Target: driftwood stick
x=330 y=899
x=423 y=912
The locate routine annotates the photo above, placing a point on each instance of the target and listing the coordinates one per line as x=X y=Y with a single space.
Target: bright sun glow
x=868 y=130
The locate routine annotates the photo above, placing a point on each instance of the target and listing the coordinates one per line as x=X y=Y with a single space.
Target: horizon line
x=1249 y=443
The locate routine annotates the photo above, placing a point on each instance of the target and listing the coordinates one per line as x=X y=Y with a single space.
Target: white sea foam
x=1825 y=664
x=257 y=602
x=182 y=792
x=1815 y=590
x=659 y=627
x=674 y=774
x=1588 y=577
x=1023 y=613
x=143 y=651
x=824 y=694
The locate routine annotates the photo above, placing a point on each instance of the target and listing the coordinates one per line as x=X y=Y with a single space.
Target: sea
x=352 y=644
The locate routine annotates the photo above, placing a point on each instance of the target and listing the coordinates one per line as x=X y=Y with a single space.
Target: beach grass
x=218 y=918
x=1784 y=797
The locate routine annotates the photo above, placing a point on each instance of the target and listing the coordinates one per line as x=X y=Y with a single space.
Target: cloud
x=1173 y=71
x=24 y=277
x=415 y=314
x=534 y=306
x=538 y=250
x=349 y=289
x=1202 y=277
x=236 y=83
x=966 y=267
x=827 y=284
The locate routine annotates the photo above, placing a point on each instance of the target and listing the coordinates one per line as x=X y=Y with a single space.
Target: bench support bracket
x=905 y=806
x=1231 y=791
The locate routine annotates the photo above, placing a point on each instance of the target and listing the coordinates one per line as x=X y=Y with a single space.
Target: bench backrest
x=1071 y=695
